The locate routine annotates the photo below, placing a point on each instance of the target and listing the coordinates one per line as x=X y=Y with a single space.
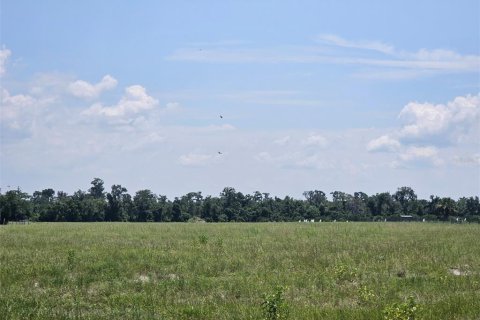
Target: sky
x=271 y=96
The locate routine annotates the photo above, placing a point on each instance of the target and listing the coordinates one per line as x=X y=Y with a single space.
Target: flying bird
x=221 y=117
x=219 y=152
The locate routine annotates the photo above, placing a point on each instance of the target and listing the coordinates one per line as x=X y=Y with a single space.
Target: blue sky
x=329 y=95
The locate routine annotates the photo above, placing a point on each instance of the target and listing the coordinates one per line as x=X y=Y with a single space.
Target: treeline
x=118 y=205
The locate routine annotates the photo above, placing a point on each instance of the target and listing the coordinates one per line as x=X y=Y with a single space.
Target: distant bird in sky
x=221 y=117
x=219 y=152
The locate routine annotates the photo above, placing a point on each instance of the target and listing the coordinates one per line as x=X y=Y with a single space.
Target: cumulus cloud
x=4 y=54
x=424 y=120
x=428 y=128
x=434 y=124
x=134 y=100
x=384 y=143
x=83 y=89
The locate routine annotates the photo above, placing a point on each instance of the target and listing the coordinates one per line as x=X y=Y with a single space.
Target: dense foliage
x=118 y=205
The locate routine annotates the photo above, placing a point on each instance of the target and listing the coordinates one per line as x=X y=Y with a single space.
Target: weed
x=366 y=295
x=402 y=311
x=344 y=273
x=274 y=305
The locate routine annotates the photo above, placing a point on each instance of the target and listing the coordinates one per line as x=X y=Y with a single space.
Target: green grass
x=224 y=271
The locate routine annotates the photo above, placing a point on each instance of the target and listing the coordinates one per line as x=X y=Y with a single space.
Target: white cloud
x=14 y=110
x=419 y=156
x=4 y=54
x=83 y=89
x=315 y=140
x=367 y=45
x=134 y=101
x=424 y=120
x=413 y=153
x=430 y=128
x=384 y=143
x=404 y=64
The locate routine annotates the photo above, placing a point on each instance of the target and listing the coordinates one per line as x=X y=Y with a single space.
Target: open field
x=223 y=271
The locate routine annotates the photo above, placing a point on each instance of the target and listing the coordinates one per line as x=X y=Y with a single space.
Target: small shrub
x=274 y=305
x=402 y=311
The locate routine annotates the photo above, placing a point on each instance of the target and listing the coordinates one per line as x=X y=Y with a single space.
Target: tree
x=468 y=206
x=145 y=203
x=14 y=205
x=114 y=211
x=232 y=203
x=340 y=200
x=42 y=201
x=191 y=204
x=318 y=199
x=358 y=206
x=446 y=207
x=97 y=189
x=381 y=204
x=406 y=197
x=176 y=211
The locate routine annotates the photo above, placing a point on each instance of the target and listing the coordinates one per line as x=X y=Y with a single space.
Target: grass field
x=226 y=271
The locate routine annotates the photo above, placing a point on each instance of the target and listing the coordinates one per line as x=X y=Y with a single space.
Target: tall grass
x=225 y=271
